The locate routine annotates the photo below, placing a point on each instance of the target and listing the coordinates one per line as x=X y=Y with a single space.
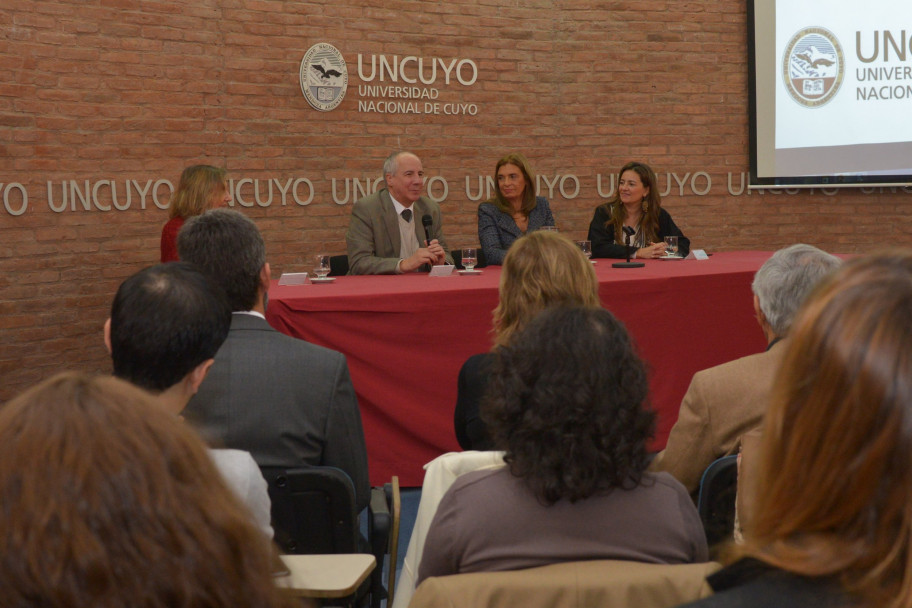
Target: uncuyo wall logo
x=324 y=76
x=813 y=66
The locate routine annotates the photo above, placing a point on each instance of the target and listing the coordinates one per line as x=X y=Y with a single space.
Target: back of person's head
x=110 y=501
x=542 y=269
x=834 y=493
x=228 y=246
x=785 y=280
x=200 y=188
x=565 y=401
x=165 y=321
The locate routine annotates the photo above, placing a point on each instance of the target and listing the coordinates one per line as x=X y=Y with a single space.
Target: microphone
x=427 y=222
x=628 y=232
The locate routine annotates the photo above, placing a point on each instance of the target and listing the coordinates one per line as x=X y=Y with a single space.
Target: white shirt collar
x=400 y=207
x=252 y=313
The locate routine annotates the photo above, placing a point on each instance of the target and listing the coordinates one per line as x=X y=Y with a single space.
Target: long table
x=407 y=336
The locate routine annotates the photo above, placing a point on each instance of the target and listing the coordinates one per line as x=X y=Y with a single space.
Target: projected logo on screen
x=324 y=76
x=813 y=66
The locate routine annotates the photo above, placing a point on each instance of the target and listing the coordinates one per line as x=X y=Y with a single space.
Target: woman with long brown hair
x=636 y=205
x=108 y=500
x=513 y=211
x=832 y=518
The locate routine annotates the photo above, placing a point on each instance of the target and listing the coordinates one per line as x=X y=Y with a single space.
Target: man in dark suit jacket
x=286 y=401
x=386 y=234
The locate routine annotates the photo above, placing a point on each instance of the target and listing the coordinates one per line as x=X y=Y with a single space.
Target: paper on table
x=697 y=254
x=293 y=278
x=442 y=270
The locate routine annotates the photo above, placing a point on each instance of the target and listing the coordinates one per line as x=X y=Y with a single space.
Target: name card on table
x=697 y=254
x=442 y=270
x=293 y=278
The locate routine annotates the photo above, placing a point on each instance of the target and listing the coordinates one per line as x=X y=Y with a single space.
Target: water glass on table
x=469 y=258
x=321 y=265
x=671 y=246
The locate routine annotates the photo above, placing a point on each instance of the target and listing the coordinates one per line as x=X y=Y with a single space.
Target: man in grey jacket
x=286 y=401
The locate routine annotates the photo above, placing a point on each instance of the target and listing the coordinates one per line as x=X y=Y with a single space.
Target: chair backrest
x=338 y=265
x=716 y=503
x=619 y=584
x=747 y=477
x=313 y=510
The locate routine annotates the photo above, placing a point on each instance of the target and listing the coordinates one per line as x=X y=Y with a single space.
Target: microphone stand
x=628 y=232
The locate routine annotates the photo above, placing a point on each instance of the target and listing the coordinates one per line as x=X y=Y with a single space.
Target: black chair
x=716 y=502
x=457 y=258
x=338 y=265
x=313 y=512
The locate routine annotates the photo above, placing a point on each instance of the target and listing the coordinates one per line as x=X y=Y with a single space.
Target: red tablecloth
x=406 y=337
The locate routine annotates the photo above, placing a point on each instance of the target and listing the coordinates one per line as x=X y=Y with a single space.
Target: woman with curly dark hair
x=566 y=404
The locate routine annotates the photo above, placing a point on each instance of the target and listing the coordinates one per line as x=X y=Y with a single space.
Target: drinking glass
x=585 y=247
x=321 y=265
x=469 y=258
x=671 y=246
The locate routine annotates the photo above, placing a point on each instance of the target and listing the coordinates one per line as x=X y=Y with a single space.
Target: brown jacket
x=572 y=585
x=722 y=403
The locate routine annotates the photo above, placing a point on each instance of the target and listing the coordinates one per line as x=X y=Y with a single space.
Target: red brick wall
x=131 y=92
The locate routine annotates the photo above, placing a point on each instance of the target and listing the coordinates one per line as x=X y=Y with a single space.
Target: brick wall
x=108 y=100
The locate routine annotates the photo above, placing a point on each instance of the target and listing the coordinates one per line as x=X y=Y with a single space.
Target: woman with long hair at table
x=201 y=187
x=109 y=500
x=566 y=402
x=542 y=269
x=513 y=211
x=831 y=521
x=637 y=204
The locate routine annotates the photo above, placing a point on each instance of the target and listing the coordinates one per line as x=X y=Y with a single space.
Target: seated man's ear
x=265 y=277
x=107 y=334
x=196 y=377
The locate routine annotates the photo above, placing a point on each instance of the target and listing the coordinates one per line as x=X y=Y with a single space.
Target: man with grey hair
x=386 y=234
x=725 y=402
x=286 y=401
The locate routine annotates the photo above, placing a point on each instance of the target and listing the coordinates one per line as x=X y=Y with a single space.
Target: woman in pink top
x=201 y=187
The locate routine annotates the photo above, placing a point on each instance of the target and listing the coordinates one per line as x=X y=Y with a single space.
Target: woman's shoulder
x=748 y=583
x=477 y=362
x=603 y=210
x=482 y=481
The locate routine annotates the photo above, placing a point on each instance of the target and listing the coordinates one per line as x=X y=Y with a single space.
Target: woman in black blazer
x=636 y=204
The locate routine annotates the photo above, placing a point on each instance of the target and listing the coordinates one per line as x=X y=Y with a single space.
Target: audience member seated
x=286 y=401
x=201 y=187
x=514 y=210
x=833 y=510
x=725 y=402
x=542 y=269
x=566 y=403
x=638 y=205
x=386 y=234
x=167 y=322
x=109 y=500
